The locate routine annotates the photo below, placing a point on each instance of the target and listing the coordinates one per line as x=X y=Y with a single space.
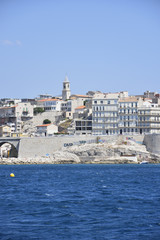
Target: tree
x=46 y=121
x=38 y=110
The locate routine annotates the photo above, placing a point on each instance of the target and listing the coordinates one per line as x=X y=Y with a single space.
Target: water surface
x=80 y=202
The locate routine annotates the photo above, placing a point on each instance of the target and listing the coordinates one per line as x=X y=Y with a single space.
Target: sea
x=79 y=202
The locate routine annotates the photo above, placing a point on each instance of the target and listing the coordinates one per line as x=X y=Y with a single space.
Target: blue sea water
x=80 y=202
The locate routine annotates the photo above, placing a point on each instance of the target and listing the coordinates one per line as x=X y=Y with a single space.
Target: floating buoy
x=12 y=175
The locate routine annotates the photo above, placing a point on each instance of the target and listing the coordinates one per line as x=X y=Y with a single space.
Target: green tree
x=46 y=121
x=38 y=110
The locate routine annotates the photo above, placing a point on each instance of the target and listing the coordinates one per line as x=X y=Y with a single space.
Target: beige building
x=15 y=115
x=5 y=131
x=75 y=102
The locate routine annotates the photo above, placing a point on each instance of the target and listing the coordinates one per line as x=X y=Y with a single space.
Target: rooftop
x=44 y=125
x=80 y=107
x=129 y=99
x=48 y=100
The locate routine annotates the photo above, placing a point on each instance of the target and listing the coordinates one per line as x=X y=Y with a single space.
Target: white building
x=128 y=115
x=149 y=119
x=47 y=130
x=50 y=104
x=105 y=114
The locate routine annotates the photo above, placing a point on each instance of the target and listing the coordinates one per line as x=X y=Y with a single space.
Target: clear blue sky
x=105 y=45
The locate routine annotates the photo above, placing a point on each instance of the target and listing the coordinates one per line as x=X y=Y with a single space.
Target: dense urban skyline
x=101 y=45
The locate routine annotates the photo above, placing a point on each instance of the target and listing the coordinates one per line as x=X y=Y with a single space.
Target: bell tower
x=66 y=93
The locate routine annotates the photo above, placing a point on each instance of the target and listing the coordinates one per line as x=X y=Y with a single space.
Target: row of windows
x=106 y=125
x=157 y=119
x=83 y=123
x=105 y=119
x=105 y=102
x=122 y=105
x=104 y=114
x=144 y=124
x=101 y=132
x=128 y=111
x=105 y=108
x=115 y=101
x=83 y=128
x=155 y=125
x=50 y=108
x=149 y=112
x=127 y=124
x=128 y=118
x=50 y=103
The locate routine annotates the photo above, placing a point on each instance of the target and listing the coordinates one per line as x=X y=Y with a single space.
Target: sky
x=101 y=45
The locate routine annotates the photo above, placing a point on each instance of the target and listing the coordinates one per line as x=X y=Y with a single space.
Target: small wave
x=120 y=208
x=49 y=195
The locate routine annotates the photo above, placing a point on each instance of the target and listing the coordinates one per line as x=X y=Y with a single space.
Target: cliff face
x=118 y=151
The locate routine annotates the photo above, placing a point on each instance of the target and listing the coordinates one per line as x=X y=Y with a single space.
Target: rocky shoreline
x=121 y=151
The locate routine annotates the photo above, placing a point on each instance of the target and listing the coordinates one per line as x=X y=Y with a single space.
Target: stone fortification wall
x=39 y=118
x=43 y=146
x=152 y=142
x=46 y=146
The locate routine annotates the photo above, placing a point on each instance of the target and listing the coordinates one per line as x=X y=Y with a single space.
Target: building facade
x=149 y=119
x=105 y=114
x=128 y=115
x=15 y=115
x=120 y=114
x=50 y=104
x=46 y=130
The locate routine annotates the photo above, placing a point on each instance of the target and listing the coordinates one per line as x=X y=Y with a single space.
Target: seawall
x=46 y=146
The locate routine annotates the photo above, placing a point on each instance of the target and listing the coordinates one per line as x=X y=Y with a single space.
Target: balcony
x=25 y=113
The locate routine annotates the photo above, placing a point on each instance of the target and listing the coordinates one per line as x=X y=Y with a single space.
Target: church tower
x=66 y=93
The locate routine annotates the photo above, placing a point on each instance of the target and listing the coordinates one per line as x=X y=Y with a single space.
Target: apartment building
x=119 y=114
x=105 y=114
x=128 y=114
x=149 y=119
